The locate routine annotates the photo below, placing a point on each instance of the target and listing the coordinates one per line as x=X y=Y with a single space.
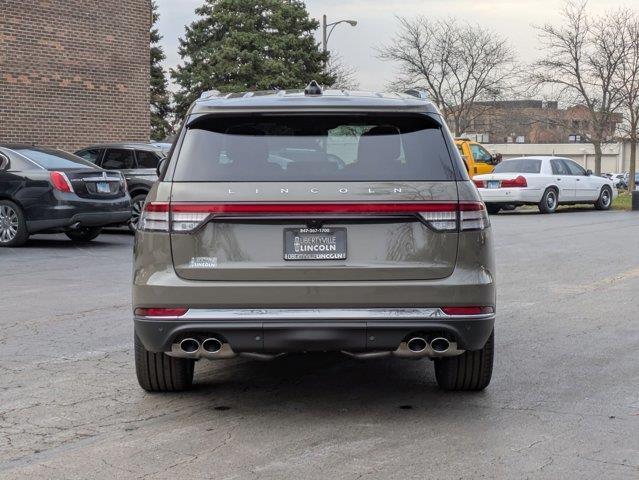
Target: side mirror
x=497 y=158
x=4 y=163
x=160 y=168
x=588 y=172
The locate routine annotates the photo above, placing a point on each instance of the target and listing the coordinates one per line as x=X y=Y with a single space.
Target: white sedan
x=543 y=181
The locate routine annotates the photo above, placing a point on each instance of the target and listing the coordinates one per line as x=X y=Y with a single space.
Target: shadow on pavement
x=560 y=210
x=325 y=383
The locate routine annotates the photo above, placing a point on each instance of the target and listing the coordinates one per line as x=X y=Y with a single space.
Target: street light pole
x=326 y=33
x=324 y=39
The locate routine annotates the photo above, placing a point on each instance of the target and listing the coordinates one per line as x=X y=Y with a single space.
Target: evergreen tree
x=238 y=45
x=159 y=94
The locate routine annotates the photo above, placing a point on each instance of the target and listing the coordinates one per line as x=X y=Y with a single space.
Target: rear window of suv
x=291 y=147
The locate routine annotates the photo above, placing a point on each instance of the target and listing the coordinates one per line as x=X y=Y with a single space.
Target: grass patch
x=623 y=201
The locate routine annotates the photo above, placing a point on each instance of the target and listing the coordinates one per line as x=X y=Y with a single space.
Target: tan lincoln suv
x=300 y=221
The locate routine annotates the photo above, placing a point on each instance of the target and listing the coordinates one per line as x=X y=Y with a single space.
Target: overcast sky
x=377 y=24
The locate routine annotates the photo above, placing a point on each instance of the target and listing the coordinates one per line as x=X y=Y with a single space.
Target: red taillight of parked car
x=160 y=312
x=479 y=183
x=61 y=182
x=518 y=182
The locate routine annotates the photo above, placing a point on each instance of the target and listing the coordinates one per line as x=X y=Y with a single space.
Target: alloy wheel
x=136 y=211
x=605 y=197
x=8 y=224
x=551 y=200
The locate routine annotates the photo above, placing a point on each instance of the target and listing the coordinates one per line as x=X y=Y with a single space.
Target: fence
x=615 y=158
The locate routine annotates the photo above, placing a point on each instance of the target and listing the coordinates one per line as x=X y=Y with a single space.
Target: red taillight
x=160 y=312
x=186 y=217
x=519 y=182
x=60 y=181
x=467 y=310
x=479 y=183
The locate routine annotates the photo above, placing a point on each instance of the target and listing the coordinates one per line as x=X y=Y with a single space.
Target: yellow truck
x=478 y=160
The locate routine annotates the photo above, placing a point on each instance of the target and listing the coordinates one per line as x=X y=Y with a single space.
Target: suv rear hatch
x=323 y=197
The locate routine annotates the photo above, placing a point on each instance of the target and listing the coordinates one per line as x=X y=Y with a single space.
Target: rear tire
x=470 y=371
x=158 y=372
x=549 y=201
x=605 y=199
x=84 y=235
x=492 y=208
x=13 y=226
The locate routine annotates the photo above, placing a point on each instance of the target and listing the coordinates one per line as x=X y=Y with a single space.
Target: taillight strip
x=249 y=208
x=183 y=217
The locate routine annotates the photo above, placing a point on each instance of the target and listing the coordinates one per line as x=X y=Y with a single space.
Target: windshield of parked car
x=518 y=166
x=54 y=159
x=314 y=148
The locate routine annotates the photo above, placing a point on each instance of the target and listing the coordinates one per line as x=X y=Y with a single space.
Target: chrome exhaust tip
x=211 y=345
x=417 y=344
x=189 y=345
x=439 y=345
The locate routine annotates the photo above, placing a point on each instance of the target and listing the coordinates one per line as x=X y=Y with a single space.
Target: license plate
x=103 y=187
x=314 y=244
x=492 y=184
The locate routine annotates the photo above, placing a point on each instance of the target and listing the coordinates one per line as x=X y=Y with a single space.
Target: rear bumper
x=70 y=210
x=296 y=330
x=510 y=195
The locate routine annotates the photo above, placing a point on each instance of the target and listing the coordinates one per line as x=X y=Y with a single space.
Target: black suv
x=138 y=163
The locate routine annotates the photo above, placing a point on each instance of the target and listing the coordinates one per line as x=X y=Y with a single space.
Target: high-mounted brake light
x=186 y=217
x=519 y=182
x=160 y=312
x=60 y=181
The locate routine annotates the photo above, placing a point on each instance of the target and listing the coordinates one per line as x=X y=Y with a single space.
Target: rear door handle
x=559 y=179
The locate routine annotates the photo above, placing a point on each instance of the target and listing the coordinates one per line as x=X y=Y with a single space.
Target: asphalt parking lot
x=564 y=401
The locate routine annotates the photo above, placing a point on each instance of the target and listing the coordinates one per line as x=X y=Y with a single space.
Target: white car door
x=563 y=179
x=587 y=187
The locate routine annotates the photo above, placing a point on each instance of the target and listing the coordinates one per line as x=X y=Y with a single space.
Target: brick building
x=533 y=121
x=74 y=72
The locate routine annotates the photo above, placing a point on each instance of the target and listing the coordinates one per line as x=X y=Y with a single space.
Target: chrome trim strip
x=320 y=314
x=98 y=179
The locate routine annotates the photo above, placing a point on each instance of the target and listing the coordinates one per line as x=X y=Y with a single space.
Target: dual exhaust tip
x=210 y=345
x=419 y=344
x=213 y=345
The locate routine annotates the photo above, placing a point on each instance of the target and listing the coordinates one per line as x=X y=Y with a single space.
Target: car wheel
x=470 y=371
x=158 y=372
x=13 y=227
x=549 y=201
x=137 y=204
x=605 y=199
x=84 y=234
x=492 y=208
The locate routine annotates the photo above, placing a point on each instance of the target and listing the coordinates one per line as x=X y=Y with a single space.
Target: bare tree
x=458 y=64
x=343 y=74
x=628 y=80
x=583 y=59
